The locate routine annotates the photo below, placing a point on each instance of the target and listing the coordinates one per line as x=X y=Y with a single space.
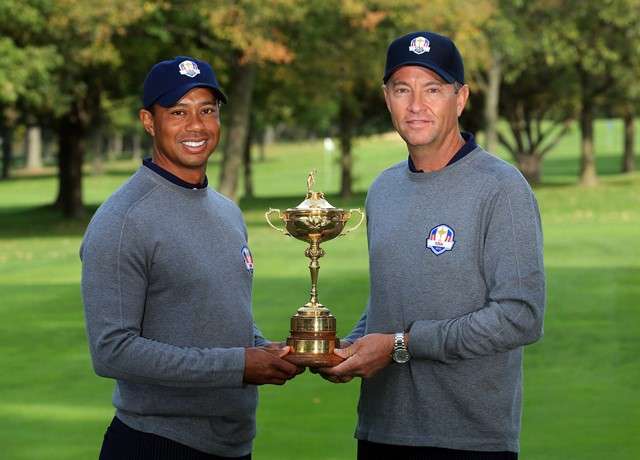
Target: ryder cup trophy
x=313 y=327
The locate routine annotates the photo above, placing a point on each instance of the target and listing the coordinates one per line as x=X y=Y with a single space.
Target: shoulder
x=497 y=174
x=224 y=203
x=112 y=216
x=504 y=188
x=388 y=177
x=386 y=182
x=227 y=207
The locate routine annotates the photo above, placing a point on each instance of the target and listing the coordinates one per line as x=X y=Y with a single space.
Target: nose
x=417 y=102
x=195 y=121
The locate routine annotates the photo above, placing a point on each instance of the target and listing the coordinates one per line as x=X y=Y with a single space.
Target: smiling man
x=457 y=278
x=166 y=285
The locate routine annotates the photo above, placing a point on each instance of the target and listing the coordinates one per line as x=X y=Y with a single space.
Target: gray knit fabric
x=469 y=309
x=167 y=296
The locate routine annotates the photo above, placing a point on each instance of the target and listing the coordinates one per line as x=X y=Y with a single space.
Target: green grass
x=581 y=381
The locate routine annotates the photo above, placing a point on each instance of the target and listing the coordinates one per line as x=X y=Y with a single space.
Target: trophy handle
x=351 y=211
x=266 y=216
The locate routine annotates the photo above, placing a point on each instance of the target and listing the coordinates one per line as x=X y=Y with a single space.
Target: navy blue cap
x=425 y=49
x=168 y=81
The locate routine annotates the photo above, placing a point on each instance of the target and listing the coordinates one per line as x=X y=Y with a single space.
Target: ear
x=146 y=118
x=385 y=90
x=461 y=100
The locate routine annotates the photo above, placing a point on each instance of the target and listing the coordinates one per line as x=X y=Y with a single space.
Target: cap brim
x=446 y=76
x=172 y=97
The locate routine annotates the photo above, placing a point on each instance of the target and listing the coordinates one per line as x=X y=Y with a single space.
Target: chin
x=415 y=141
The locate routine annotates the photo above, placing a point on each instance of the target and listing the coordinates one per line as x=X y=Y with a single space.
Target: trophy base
x=313 y=360
x=313 y=338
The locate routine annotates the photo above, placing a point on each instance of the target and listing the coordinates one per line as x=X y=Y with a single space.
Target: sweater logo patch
x=441 y=239
x=248 y=258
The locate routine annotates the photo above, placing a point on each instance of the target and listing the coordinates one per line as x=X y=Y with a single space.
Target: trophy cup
x=313 y=327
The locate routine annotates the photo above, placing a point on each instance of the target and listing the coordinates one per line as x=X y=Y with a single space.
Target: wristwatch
x=400 y=353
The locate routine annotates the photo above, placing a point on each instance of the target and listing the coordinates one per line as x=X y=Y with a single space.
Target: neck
x=435 y=157
x=193 y=176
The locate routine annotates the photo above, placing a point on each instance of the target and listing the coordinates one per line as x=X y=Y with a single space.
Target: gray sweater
x=167 y=297
x=455 y=260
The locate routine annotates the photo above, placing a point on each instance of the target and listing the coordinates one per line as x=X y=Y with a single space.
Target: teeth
x=193 y=144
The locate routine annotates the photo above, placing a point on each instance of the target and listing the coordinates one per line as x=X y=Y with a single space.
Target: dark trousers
x=374 y=451
x=124 y=443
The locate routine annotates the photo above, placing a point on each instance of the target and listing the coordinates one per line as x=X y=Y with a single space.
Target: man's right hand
x=265 y=365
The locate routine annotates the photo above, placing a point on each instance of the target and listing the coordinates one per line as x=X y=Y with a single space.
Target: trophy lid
x=313 y=200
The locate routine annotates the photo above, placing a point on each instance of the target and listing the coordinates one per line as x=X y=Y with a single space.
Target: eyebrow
x=201 y=102
x=430 y=82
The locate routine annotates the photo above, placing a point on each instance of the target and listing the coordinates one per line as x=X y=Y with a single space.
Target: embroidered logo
x=441 y=239
x=189 y=68
x=248 y=259
x=419 y=45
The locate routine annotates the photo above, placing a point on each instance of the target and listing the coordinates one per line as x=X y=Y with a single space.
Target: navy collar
x=172 y=177
x=468 y=147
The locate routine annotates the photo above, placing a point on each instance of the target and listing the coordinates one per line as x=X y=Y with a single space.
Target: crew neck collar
x=148 y=162
x=468 y=147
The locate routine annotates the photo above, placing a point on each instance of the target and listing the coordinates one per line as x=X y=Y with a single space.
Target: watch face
x=401 y=356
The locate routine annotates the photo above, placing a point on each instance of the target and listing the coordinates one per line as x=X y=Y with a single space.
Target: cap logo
x=189 y=68
x=419 y=45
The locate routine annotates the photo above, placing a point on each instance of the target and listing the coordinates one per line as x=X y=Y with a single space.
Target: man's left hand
x=367 y=356
x=275 y=347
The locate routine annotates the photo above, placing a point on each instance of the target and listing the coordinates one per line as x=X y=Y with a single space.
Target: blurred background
x=553 y=89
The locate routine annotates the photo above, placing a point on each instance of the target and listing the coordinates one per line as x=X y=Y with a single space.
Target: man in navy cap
x=166 y=285
x=457 y=278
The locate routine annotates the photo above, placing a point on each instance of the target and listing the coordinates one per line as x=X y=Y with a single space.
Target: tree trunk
x=71 y=141
x=346 y=134
x=492 y=100
x=531 y=167
x=116 y=144
x=6 y=132
x=34 y=148
x=268 y=138
x=628 y=158
x=246 y=160
x=588 y=175
x=243 y=78
x=136 y=147
x=49 y=147
x=98 y=153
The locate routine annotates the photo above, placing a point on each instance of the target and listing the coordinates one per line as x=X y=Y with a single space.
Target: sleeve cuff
x=425 y=337
x=228 y=371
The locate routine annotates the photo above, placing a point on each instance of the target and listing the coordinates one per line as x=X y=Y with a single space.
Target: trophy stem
x=314 y=252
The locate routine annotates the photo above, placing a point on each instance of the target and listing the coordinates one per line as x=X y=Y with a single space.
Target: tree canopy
x=315 y=67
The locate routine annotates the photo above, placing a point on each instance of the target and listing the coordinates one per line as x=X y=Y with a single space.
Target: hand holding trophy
x=313 y=327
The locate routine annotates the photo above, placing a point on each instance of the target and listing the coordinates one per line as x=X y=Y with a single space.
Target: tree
x=252 y=34
x=625 y=94
x=33 y=142
x=536 y=101
x=27 y=90
x=340 y=50
x=592 y=38
x=501 y=50
x=539 y=111
x=85 y=37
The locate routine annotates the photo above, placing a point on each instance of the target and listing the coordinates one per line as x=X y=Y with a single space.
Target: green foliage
x=26 y=66
x=319 y=63
x=25 y=75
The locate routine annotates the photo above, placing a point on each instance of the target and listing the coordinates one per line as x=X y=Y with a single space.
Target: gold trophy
x=313 y=327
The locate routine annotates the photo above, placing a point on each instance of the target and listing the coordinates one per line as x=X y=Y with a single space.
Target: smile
x=194 y=144
x=417 y=122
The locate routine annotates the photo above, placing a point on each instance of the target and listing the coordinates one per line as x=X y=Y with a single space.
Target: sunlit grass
x=581 y=380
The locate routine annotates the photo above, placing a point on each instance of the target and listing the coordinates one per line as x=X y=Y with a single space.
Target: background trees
x=313 y=69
